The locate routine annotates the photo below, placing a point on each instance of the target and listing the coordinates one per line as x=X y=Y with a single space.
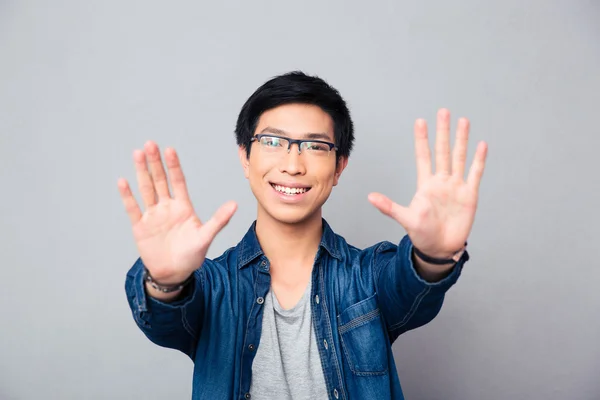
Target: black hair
x=300 y=88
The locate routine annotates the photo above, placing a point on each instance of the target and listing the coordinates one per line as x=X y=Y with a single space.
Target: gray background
x=82 y=84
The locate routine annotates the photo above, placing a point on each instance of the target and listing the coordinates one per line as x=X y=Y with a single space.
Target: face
x=291 y=187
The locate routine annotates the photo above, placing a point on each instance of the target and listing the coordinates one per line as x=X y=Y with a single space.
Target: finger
x=131 y=206
x=422 y=152
x=176 y=175
x=476 y=170
x=218 y=221
x=145 y=184
x=442 y=142
x=459 y=155
x=391 y=209
x=158 y=172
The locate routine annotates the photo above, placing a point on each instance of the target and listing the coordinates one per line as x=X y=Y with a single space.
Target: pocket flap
x=365 y=310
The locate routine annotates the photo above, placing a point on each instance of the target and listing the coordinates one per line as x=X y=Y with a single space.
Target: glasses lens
x=271 y=143
x=316 y=148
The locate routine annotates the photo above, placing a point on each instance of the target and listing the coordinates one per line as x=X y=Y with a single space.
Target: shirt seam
x=415 y=305
x=246 y=336
x=323 y=366
x=330 y=335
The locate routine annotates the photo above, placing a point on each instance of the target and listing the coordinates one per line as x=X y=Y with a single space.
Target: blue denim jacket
x=361 y=301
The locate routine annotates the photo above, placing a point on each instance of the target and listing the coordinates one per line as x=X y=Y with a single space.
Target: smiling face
x=290 y=187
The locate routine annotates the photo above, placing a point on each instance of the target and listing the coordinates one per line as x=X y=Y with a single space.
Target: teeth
x=290 y=191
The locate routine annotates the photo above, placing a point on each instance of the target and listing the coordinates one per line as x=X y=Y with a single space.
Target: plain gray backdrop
x=82 y=84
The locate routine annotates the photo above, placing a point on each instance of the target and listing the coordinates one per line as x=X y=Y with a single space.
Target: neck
x=289 y=244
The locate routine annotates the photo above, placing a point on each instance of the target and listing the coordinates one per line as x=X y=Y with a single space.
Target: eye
x=269 y=141
x=316 y=146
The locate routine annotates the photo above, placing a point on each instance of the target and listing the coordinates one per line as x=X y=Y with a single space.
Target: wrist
x=443 y=259
x=161 y=287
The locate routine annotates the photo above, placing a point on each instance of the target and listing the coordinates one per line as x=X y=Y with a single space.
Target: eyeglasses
x=272 y=144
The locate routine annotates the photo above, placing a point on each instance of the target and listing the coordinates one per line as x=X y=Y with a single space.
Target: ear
x=341 y=165
x=244 y=160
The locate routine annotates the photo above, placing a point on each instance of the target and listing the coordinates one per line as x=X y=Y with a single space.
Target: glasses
x=272 y=144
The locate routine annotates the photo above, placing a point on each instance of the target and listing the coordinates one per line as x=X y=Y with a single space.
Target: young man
x=293 y=311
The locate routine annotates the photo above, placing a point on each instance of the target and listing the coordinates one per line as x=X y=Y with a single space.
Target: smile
x=290 y=191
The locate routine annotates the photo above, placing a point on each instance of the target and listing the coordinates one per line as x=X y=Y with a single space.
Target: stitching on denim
x=202 y=275
x=240 y=254
x=140 y=297
x=246 y=334
x=246 y=260
x=225 y=254
x=355 y=323
x=337 y=253
x=186 y=324
x=412 y=310
x=188 y=327
x=330 y=335
x=357 y=305
x=359 y=373
x=376 y=272
x=313 y=316
x=359 y=321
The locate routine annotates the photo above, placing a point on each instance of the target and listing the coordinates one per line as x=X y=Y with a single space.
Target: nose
x=292 y=161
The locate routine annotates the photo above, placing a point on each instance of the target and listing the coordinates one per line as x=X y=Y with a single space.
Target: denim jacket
x=361 y=301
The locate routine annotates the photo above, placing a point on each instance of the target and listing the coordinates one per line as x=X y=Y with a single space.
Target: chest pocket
x=363 y=340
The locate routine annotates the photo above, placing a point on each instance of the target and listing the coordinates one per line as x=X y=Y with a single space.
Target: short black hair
x=300 y=88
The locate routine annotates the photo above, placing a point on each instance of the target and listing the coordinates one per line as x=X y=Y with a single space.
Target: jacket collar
x=249 y=247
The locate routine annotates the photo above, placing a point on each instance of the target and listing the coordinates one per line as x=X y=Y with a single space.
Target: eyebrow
x=311 y=135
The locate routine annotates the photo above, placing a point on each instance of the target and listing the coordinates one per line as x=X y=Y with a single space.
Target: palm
x=171 y=239
x=167 y=235
x=441 y=214
x=444 y=212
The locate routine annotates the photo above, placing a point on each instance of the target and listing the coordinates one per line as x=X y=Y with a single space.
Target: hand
x=441 y=214
x=171 y=239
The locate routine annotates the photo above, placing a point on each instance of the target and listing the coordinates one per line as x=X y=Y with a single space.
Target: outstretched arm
x=172 y=244
x=438 y=222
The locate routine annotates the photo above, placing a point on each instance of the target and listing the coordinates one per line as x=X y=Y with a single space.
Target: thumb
x=391 y=209
x=218 y=221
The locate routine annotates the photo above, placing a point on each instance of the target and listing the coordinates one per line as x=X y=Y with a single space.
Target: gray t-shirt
x=287 y=364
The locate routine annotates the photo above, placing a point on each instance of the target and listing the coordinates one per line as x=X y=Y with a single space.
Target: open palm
x=171 y=239
x=441 y=214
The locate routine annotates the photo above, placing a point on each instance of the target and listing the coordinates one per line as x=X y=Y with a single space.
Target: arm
x=175 y=323
x=437 y=221
x=431 y=272
x=158 y=295
x=172 y=243
x=408 y=300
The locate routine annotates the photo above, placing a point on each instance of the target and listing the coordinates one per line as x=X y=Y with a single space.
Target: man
x=293 y=311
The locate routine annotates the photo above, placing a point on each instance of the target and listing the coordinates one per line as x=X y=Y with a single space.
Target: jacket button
x=247 y=395
x=260 y=300
x=325 y=343
x=251 y=347
x=317 y=299
x=335 y=393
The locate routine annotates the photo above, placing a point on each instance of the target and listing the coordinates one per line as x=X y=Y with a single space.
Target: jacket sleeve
x=406 y=300
x=174 y=325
